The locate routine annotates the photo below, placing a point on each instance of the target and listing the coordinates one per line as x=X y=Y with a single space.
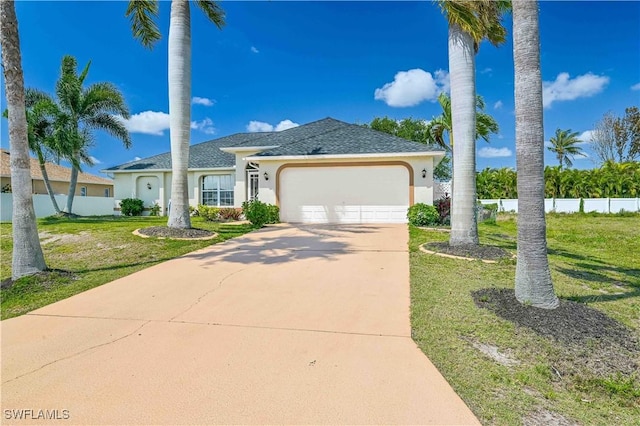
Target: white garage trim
x=388 y=206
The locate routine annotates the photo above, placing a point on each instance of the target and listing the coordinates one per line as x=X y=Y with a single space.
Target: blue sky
x=277 y=64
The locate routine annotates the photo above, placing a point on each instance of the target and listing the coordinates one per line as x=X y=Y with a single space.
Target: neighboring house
x=88 y=185
x=326 y=171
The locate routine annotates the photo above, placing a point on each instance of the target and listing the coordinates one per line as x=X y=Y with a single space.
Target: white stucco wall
x=422 y=191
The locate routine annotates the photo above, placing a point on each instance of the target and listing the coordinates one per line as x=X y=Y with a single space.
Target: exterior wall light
x=424 y=173
x=266 y=176
x=148 y=185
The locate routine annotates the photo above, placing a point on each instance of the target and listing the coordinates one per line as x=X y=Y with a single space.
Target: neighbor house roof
x=55 y=172
x=323 y=137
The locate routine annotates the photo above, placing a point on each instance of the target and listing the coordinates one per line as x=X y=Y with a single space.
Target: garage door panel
x=355 y=194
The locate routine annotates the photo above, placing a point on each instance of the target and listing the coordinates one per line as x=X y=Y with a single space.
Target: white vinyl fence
x=83 y=206
x=572 y=205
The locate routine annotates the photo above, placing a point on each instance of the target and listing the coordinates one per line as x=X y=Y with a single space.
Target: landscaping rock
x=166 y=232
x=477 y=252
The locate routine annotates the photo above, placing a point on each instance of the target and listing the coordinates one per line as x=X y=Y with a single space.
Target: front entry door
x=253 y=182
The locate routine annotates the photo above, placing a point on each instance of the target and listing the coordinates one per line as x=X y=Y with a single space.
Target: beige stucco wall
x=93 y=189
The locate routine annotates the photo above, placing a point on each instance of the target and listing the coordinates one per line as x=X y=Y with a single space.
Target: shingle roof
x=201 y=156
x=333 y=137
x=55 y=172
x=323 y=137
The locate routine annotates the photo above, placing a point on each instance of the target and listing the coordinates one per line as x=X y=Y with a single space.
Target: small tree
x=564 y=145
x=617 y=138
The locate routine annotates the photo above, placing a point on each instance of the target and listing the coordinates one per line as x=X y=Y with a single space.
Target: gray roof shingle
x=322 y=137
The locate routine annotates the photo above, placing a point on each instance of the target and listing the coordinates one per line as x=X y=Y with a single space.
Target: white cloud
x=566 y=89
x=205 y=126
x=202 y=101
x=486 y=70
x=94 y=160
x=148 y=122
x=254 y=49
x=412 y=87
x=490 y=152
x=497 y=105
x=635 y=86
x=585 y=137
x=285 y=124
x=261 y=126
x=136 y=158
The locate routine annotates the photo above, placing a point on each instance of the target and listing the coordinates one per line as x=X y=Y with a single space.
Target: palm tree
x=81 y=110
x=470 y=22
x=563 y=144
x=533 y=278
x=27 y=256
x=142 y=14
x=441 y=126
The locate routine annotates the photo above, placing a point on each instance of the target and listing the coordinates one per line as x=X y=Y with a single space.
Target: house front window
x=217 y=190
x=107 y=193
x=83 y=191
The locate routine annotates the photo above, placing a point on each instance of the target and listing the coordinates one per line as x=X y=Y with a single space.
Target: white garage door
x=351 y=194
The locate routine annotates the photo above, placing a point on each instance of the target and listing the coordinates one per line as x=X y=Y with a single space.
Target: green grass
x=96 y=250
x=594 y=260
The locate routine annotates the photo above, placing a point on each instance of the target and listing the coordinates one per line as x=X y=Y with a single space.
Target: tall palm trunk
x=45 y=178
x=464 y=228
x=73 y=182
x=27 y=252
x=179 y=111
x=533 y=278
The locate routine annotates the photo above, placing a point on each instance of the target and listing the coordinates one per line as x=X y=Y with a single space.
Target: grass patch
x=88 y=252
x=594 y=261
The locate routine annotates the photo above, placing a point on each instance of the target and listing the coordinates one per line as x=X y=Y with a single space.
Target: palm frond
x=103 y=97
x=142 y=14
x=214 y=12
x=111 y=125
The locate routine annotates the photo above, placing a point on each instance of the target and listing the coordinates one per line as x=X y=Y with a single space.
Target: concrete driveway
x=286 y=325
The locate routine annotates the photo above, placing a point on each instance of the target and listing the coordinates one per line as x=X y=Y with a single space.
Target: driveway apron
x=287 y=325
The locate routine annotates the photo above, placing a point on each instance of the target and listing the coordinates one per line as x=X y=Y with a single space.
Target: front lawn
x=93 y=251
x=535 y=379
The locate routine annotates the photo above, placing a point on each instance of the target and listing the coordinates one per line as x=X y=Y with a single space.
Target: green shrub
x=131 y=207
x=259 y=213
x=209 y=213
x=154 y=210
x=229 y=213
x=423 y=215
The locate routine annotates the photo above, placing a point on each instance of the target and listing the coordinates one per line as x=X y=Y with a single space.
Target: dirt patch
x=494 y=353
x=45 y=278
x=543 y=417
x=174 y=233
x=589 y=338
x=48 y=237
x=482 y=252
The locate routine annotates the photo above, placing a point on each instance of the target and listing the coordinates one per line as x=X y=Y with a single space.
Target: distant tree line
x=618 y=180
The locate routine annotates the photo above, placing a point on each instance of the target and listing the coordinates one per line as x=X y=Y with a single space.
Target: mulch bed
x=589 y=338
x=166 y=232
x=474 y=251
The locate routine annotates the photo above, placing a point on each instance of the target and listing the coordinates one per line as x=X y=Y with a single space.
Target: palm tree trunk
x=179 y=111
x=464 y=228
x=27 y=253
x=73 y=181
x=45 y=178
x=533 y=278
